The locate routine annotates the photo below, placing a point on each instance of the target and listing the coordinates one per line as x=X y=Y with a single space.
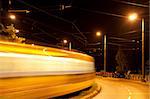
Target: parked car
x=118 y=75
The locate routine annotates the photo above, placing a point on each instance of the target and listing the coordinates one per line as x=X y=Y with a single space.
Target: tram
x=30 y=71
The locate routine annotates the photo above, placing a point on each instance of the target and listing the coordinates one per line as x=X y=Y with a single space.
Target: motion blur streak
x=43 y=86
x=33 y=72
x=41 y=50
x=23 y=65
x=122 y=89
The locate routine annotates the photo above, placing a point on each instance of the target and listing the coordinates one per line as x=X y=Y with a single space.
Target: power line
x=130 y=32
x=60 y=18
x=80 y=39
x=131 y=3
x=101 y=12
x=122 y=39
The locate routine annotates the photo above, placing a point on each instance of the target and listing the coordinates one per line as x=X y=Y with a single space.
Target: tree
x=9 y=34
x=121 y=60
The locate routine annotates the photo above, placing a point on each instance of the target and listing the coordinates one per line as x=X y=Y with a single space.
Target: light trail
x=14 y=64
x=33 y=72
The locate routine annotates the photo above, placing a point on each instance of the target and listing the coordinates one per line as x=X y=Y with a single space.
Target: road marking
x=130 y=93
x=129 y=97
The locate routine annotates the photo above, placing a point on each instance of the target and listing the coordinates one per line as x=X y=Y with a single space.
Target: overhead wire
x=60 y=18
x=56 y=29
x=131 y=3
x=101 y=12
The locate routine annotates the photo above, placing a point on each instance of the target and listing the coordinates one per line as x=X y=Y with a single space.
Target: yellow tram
x=28 y=72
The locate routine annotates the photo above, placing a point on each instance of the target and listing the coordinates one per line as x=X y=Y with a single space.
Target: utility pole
x=143 y=67
x=70 y=46
x=105 y=49
x=1 y=9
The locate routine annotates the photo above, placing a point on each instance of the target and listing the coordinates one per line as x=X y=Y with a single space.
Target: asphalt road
x=122 y=89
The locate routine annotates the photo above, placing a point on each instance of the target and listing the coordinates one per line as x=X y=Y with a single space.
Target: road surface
x=122 y=89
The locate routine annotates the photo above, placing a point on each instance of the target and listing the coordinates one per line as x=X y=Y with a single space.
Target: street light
x=17 y=30
x=105 y=48
x=133 y=17
x=12 y=16
x=65 y=42
x=98 y=33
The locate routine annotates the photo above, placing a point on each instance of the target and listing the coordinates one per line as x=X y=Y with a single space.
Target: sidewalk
x=129 y=80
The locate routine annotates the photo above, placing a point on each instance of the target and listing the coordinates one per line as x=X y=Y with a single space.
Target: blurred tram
x=34 y=72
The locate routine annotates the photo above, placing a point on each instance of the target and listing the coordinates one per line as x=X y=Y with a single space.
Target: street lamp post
x=70 y=46
x=105 y=49
x=1 y=9
x=133 y=17
x=143 y=67
x=65 y=42
x=105 y=59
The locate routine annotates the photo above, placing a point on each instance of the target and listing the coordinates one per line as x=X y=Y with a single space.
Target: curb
x=93 y=91
x=129 y=80
x=137 y=81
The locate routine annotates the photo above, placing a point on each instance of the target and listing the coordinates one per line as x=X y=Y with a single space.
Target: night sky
x=48 y=24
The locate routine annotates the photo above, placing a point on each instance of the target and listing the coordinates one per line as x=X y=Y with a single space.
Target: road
x=122 y=89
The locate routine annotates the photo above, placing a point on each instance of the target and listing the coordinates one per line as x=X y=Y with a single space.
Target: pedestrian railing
x=137 y=77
